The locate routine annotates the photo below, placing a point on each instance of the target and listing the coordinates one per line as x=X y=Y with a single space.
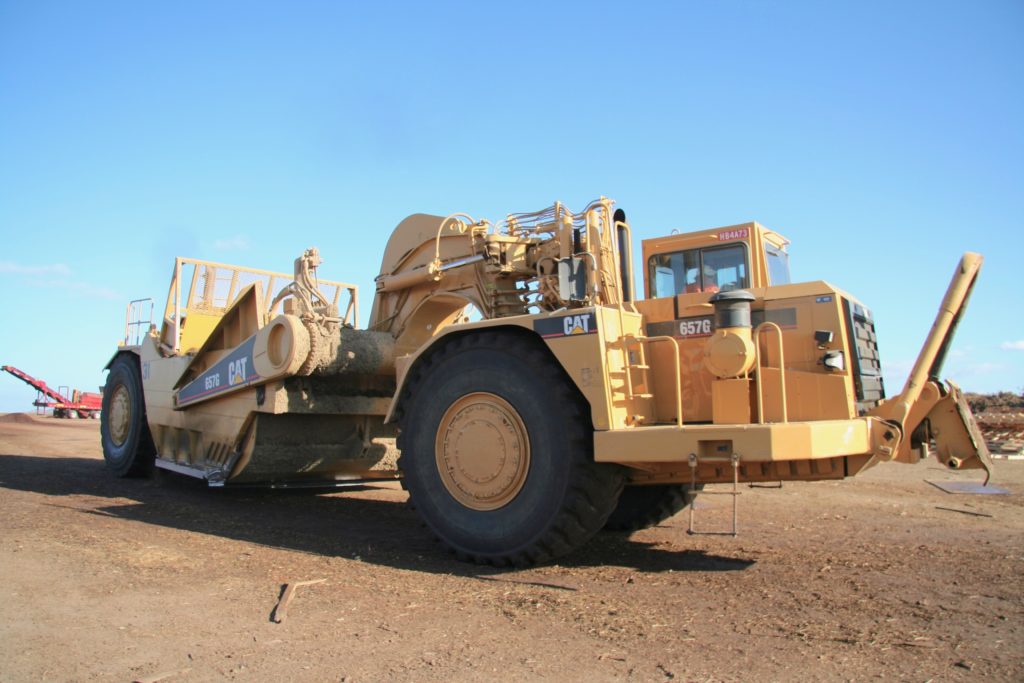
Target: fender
x=137 y=350
x=574 y=338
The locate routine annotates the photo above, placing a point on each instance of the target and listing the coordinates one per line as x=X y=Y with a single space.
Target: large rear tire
x=497 y=452
x=124 y=432
x=641 y=507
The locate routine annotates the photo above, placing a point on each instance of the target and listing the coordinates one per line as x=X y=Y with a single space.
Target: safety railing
x=629 y=339
x=770 y=326
x=135 y=326
x=208 y=289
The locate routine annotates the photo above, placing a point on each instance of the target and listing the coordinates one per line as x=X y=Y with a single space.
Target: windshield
x=778 y=264
x=698 y=270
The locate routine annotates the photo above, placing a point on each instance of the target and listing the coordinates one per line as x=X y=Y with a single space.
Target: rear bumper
x=750 y=443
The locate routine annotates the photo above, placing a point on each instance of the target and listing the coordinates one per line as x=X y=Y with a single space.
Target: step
x=735 y=493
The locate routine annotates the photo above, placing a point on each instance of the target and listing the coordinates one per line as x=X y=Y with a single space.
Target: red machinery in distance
x=63 y=403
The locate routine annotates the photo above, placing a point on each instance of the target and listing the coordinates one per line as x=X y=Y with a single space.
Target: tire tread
x=641 y=507
x=594 y=487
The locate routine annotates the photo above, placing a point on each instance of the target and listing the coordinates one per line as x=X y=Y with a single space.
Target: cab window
x=778 y=264
x=714 y=269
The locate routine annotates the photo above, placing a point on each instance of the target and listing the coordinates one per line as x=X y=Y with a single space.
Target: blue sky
x=883 y=138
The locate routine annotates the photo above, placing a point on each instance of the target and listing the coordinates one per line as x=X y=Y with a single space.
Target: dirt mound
x=23 y=418
x=1003 y=429
x=1000 y=418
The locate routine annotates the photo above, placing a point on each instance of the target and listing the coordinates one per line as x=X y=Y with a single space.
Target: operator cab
x=716 y=260
x=682 y=272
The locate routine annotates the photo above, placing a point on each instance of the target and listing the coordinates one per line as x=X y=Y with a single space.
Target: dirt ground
x=870 y=578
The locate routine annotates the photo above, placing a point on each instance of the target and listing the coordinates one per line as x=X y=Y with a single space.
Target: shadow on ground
x=340 y=525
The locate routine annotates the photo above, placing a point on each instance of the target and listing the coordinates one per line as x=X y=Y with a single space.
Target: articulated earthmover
x=514 y=381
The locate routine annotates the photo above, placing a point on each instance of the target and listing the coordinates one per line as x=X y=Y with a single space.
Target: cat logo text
x=566 y=326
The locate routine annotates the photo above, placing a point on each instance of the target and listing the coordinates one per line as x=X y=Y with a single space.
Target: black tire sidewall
x=518 y=524
x=121 y=459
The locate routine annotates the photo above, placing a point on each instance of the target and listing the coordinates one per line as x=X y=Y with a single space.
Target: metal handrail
x=133 y=321
x=782 y=370
x=675 y=361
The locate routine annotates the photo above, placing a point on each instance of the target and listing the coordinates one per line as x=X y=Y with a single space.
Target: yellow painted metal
x=930 y=395
x=731 y=401
x=938 y=339
x=763 y=327
x=675 y=372
x=241 y=319
x=925 y=402
x=959 y=443
x=582 y=356
x=809 y=395
x=482 y=451
x=754 y=442
x=730 y=352
x=798 y=309
x=193 y=311
x=626 y=259
x=195 y=329
x=395 y=283
x=616 y=330
x=281 y=347
x=183 y=436
x=643 y=369
x=715 y=471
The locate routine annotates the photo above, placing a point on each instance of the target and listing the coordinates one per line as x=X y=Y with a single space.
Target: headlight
x=834 y=360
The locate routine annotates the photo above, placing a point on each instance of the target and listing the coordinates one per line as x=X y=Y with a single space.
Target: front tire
x=497 y=452
x=124 y=432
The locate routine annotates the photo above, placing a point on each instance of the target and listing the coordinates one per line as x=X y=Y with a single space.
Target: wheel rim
x=120 y=415
x=482 y=451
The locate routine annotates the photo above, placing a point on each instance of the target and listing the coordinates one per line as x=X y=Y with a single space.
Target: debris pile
x=1004 y=432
